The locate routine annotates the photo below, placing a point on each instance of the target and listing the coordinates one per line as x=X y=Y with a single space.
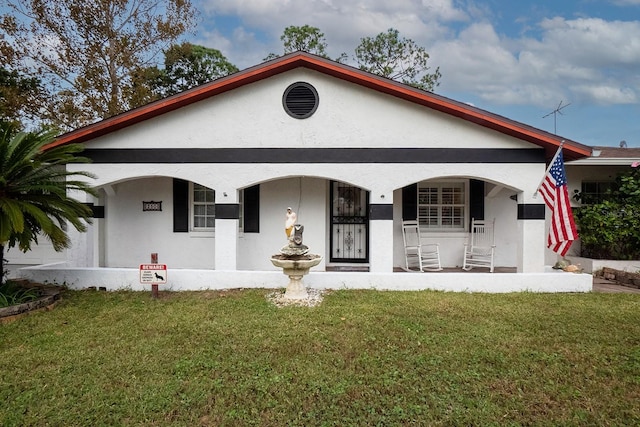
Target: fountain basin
x=296 y=267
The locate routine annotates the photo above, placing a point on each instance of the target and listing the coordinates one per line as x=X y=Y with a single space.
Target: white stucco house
x=203 y=179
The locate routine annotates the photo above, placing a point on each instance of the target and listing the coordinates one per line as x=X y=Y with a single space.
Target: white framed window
x=203 y=208
x=443 y=205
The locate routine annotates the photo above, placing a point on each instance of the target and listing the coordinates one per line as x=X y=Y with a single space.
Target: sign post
x=153 y=274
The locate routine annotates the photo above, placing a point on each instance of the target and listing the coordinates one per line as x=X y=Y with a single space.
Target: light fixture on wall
x=514 y=197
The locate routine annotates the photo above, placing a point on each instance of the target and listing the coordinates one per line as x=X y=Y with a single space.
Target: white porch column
x=381 y=236
x=84 y=249
x=226 y=239
x=531 y=238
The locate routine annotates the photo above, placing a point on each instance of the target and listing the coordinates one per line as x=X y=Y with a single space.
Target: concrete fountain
x=295 y=260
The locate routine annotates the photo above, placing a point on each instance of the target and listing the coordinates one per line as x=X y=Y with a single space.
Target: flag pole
x=555 y=156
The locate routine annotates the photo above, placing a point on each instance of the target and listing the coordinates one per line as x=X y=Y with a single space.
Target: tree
x=306 y=38
x=89 y=53
x=187 y=65
x=33 y=191
x=16 y=95
x=397 y=58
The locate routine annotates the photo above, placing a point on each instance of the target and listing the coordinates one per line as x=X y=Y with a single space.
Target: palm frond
x=35 y=187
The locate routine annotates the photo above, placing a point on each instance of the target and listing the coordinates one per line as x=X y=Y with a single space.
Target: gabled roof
x=571 y=150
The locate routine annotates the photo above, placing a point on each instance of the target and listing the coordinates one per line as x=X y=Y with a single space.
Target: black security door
x=349 y=223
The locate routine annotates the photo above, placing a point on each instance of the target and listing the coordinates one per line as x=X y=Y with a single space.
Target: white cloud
x=583 y=60
x=593 y=42
x=607 y=93
x=344 y=22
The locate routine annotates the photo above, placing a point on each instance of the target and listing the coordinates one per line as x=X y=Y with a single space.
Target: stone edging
x=624 y=278
x=47 y=301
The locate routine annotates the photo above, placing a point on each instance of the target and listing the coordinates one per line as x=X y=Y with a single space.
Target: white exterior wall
x=42 y=253
x=133 y=234
x=308 y=198
x=348 y=116
x=194 y=280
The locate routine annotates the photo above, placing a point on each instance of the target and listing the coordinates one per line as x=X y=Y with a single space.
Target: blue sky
x=516 y=58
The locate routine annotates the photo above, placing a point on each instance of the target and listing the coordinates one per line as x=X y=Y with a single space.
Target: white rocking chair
x=424 y=257
x=480 y=249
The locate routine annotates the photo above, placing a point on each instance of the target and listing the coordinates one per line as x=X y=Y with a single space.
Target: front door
x=349 y=223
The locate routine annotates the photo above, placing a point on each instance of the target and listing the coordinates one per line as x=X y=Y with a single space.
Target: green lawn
x=359 y=358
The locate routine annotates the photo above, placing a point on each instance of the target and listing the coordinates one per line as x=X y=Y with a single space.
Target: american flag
x=562 y=231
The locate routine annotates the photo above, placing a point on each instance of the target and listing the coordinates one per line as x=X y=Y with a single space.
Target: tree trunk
x=1 y=264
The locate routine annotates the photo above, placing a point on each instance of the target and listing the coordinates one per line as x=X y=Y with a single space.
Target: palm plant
x=34 y=186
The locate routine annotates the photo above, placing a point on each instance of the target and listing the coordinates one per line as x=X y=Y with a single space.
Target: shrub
x=610 y=229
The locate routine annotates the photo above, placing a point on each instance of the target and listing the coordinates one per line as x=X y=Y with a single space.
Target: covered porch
x=250 y=202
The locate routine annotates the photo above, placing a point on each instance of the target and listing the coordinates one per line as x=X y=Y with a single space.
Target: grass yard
x=360 y=358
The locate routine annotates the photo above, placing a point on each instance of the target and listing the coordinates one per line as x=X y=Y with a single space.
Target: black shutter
x=252 y=209
x=180 y=206
x=410 y=202
x=476 y=199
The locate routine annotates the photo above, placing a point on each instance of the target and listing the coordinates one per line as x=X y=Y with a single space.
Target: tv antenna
x=555 y=113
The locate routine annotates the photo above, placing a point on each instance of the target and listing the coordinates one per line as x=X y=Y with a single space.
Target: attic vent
x=300 y=100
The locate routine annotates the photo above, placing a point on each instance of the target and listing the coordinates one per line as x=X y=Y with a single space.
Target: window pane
x=458 y=196
x=442 y=205
x=589 y=187
x=447 y=217
x=447 y=196
x=203 y=207
x=428 y=195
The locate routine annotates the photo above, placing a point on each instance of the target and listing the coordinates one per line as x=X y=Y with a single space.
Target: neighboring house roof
x=610 y=156
x=571 y=150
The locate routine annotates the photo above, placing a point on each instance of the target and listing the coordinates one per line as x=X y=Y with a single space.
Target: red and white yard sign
x=153 y=274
